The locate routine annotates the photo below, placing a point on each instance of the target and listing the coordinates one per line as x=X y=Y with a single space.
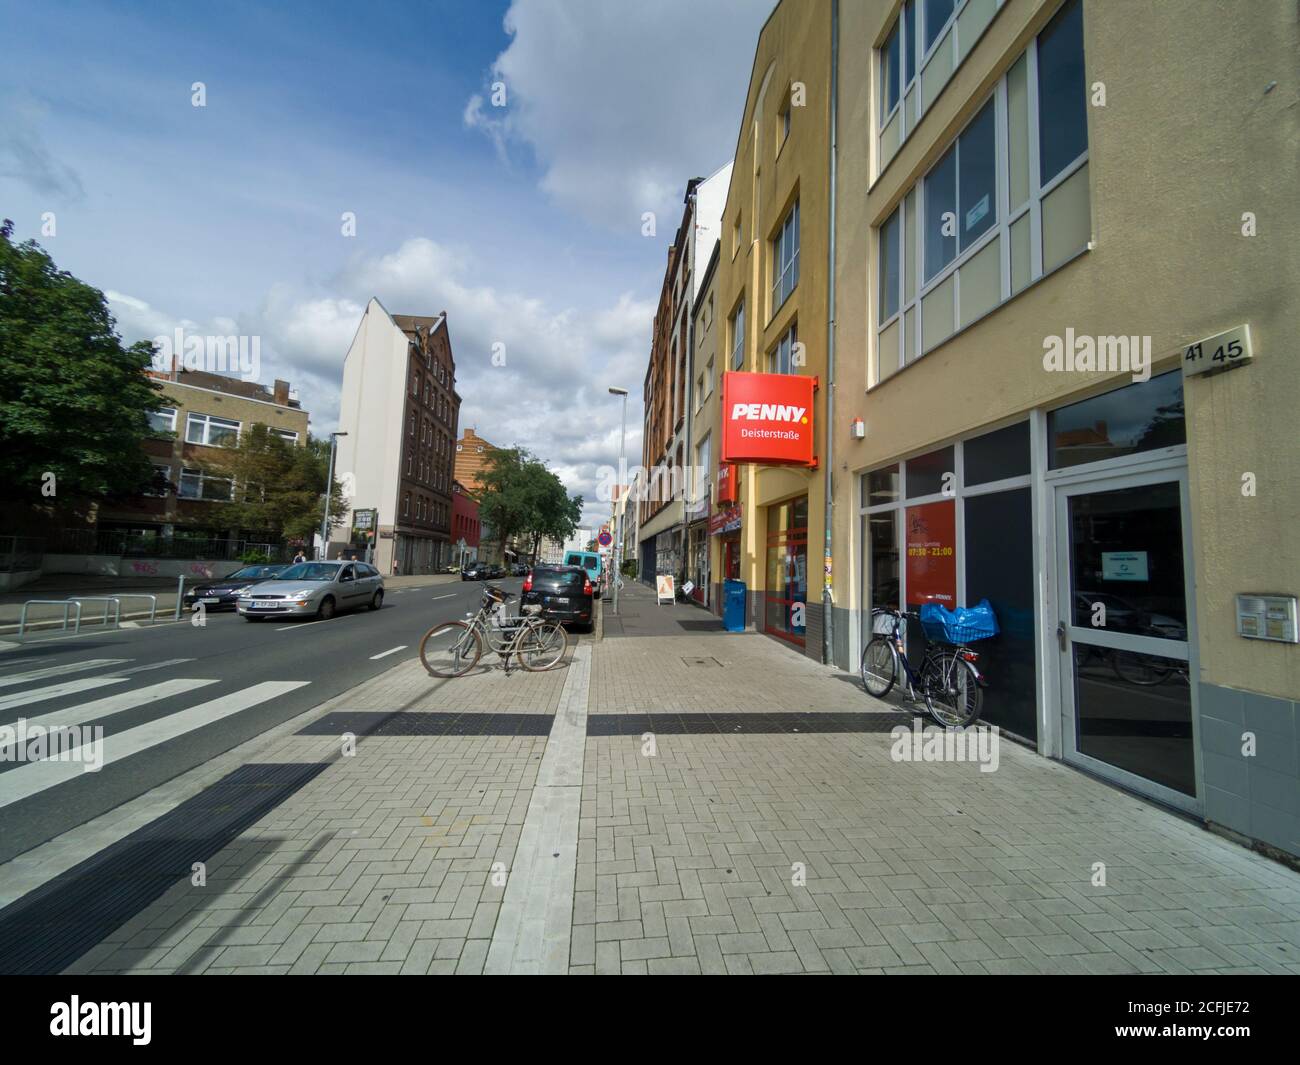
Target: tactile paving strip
x=743 y=724
x=48 y=929
x=414 y=723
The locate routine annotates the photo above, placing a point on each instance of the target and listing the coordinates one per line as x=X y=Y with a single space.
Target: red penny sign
x=768 y=419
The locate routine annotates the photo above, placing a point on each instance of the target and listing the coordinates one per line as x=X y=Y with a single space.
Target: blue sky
x=523 y=222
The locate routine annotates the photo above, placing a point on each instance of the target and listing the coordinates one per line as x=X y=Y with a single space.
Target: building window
x=211 y=431
x=163 y=420
x=738 y=337
x=287 y=435
x=195 y=484
x=781 y=358
x=1062 y=93
x=917 y=58
x=406 y=505
x=162 y=481
x=984 y=222
x=785 y=258
x=735 y=237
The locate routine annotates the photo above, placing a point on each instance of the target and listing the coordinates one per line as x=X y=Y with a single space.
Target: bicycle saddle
x=499 y=593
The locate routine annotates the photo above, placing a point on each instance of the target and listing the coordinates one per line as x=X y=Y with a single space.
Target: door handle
x=1060 y=636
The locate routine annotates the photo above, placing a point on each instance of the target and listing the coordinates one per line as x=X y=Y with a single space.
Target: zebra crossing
x=87 y=723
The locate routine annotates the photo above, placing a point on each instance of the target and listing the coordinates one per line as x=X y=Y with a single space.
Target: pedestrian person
x=299 y=557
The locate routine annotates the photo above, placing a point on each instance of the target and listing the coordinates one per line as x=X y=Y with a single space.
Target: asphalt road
x=173 y=696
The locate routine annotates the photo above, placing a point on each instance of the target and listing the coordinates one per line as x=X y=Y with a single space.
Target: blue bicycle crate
x=963 y=625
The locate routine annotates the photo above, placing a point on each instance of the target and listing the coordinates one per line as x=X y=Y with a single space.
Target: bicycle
x=947 y=681
x=453 y=648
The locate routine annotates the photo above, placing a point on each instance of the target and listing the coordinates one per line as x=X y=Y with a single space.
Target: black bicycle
x=947 y=680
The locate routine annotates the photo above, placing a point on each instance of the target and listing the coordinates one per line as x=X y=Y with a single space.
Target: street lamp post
x=329 y=486
x=622 y=488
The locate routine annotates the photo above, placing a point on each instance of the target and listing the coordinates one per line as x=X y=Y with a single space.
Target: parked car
x=589 y=561
x=564 y=593
x=317 y=589
x=481 y=571
x=223 y=592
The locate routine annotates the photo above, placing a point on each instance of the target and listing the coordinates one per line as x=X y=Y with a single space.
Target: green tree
x=277 y=488
x=521 y=498
x=74 y=401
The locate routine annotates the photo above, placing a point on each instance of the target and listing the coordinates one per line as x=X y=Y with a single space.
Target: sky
x=498 y=158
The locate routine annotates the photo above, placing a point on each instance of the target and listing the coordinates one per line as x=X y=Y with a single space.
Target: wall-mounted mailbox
x=1267 y=617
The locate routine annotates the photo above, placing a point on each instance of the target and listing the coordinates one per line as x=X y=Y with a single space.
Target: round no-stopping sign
x=604 y=539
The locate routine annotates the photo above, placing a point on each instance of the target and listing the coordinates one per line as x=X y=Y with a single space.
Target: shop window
x=931 y=474
x=997 y=455
x=786 y=596
x=1139 y=417
x=882 y=540
x=882 y=486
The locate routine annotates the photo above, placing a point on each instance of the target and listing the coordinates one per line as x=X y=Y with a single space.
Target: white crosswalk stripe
x=81 y=684
x=113 y=704
x=59 y=671
x=35 y=777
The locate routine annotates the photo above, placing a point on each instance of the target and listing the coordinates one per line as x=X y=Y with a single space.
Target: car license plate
x=209 y=599
x=557 y=599
x=264 y=604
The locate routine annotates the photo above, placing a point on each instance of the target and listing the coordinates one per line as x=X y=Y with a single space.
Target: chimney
x=281 y=393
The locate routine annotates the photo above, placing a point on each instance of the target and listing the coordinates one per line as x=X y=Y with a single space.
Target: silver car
x=318 y=589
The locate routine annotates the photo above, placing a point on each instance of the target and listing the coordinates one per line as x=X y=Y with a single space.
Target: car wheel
x=378 y=600
x=326 y=609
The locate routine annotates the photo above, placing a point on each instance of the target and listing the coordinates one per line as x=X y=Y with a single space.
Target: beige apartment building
x=197 y=413
x=771 y=291
x=1032 y=196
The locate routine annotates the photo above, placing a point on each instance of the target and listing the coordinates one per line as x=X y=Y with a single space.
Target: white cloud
x=622 y=103
x=550 y=396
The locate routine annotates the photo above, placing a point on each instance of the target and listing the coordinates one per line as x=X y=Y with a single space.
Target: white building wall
x=371 y=413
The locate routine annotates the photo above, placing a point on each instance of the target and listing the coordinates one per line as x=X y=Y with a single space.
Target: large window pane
x=889 y=266
x=1062 y=92
x=977 y=150
x=889 y=73
x=940 y=212
x=925 y=473
x=882 y=486
x=1139 y=417
x=909 y=41
x=882 y=567
x=937 y=13
x=999 y=562
x=997 y=455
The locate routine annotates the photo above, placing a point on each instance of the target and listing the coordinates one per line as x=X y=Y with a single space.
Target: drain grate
x=701 y=661
x=48 y=929
x=742 y=724
x=414 y=723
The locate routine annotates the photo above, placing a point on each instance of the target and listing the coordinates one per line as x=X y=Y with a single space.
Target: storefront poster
x=932 y=553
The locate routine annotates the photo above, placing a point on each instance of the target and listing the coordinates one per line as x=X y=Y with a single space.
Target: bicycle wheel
x=542 y=646
x=451 y=649
x=952 y=691
x=879 y=667
x=1135 y=668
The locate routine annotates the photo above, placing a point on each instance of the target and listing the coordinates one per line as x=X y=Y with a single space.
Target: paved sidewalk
x=702 y=802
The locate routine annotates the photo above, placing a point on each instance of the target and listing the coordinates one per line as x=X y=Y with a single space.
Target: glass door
x=1123 y=622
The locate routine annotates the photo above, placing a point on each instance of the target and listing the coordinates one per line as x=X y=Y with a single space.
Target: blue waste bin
x=733 y=605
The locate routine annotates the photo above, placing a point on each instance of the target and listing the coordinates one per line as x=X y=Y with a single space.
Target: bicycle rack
x=109 y=601
x=67 y=605
x=153 y=602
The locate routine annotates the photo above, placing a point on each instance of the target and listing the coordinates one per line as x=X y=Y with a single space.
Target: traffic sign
x=604 y=539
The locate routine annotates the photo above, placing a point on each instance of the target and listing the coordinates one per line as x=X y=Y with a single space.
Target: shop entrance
x=1123 y=621
x=786 y=595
